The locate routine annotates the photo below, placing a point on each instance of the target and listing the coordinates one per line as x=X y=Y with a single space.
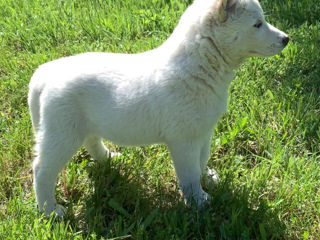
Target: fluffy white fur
x=174 y=94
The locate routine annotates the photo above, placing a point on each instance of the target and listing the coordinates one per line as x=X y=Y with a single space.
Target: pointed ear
x=225 y=8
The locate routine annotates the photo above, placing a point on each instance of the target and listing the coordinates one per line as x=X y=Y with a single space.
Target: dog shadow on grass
x=121 y=205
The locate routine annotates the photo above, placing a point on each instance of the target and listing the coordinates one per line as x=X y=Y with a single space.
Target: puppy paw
x=200 y=200
x=211 y=178
x=113 y=154
x=60 y=210
x=203 y=200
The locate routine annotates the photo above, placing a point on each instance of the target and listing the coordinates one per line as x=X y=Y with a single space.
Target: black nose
x=285 y=40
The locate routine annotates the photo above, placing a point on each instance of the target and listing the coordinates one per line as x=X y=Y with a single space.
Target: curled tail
x=34 y=102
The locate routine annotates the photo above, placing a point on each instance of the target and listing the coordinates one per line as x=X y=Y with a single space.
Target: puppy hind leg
x=53 y=154
x=97 y=149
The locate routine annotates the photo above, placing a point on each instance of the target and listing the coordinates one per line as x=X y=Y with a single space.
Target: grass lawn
x=266 y=148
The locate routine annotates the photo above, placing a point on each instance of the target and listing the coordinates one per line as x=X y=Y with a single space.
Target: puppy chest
x=193 y=122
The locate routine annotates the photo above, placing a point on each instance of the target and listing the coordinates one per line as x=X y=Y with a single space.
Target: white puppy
x=174 y=94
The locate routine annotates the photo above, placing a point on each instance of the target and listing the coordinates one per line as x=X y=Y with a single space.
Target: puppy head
x=239 y=28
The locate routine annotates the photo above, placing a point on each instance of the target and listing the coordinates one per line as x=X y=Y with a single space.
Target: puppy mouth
x=262 y=54
x=256 y=54
x=273 y=49
x=276 y=46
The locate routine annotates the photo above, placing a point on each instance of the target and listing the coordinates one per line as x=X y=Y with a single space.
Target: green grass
x=266 y=148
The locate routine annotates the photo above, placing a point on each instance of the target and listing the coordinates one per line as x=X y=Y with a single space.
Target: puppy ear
x=226 y=8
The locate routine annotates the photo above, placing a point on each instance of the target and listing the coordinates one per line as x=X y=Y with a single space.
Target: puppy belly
x=130 y=134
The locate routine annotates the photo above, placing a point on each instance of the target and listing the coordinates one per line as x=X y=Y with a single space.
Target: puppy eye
x=258 y=24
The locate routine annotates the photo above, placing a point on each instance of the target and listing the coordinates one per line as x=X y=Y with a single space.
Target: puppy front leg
x=186 y=160
x=210 y=176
